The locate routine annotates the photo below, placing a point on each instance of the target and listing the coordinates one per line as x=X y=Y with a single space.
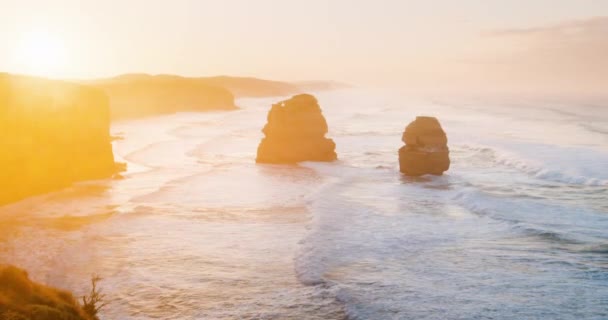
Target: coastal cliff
x=137 y=95
x=140 y=95
x=53 y=133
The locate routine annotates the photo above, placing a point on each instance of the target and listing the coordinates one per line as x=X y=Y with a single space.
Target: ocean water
x=517 y=229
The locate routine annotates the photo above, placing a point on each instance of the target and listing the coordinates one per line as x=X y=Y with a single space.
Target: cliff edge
x=53 y=133
x=141 y=95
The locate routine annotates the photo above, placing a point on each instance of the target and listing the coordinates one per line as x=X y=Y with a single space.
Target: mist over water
x=196 y=230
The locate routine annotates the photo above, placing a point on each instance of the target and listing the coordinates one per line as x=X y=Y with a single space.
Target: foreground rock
x=23 y=299
x=426 y=150
x=295 y=132
x=53 y=134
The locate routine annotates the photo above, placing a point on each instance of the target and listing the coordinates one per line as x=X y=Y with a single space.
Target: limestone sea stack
x=426 y=148
x=52 y=133
x=295 y=132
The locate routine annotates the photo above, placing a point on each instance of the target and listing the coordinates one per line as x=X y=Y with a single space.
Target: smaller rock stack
x=426 y=148
x=295 y=132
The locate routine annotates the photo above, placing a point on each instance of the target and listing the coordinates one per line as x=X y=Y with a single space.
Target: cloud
x=585 y=41
x=571 y=55
x=581 y=43
x=597 y=26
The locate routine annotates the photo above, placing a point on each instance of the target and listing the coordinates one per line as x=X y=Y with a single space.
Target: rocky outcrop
x=53 y=133
x=141 y=95
x=296 y=132
x=23 y=299
x=426 y=150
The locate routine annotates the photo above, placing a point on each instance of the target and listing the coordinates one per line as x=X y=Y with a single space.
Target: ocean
x=516 y=229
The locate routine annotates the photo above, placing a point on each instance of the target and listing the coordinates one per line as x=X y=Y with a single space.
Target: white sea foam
x=516 y=228
x=563 y=170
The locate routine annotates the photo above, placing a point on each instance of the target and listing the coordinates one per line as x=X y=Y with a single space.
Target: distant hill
x=252 y=87
x=136 y=95
x=139 y=95
x=320 y=85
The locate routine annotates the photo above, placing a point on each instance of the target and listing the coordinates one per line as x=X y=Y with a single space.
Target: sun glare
x=42 y=54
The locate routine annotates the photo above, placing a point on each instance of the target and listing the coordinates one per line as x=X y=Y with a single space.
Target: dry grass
x=21 y=299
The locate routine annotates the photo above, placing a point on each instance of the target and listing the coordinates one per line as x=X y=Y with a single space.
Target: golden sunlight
x=41 y=53
x=313 y=160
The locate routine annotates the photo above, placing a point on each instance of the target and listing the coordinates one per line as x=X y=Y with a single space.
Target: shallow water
x=196 y=230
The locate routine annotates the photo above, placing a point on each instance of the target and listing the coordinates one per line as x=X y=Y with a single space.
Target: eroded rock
x=295 y=132
x=426 y=150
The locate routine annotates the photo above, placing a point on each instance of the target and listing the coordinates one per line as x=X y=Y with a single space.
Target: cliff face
x=133 y=96
x=295 y=132
x=138 y=95
x=52 y=134
x=23 y=299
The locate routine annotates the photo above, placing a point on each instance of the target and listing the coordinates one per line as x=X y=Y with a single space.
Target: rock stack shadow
x=295 y=132
x=426 y=148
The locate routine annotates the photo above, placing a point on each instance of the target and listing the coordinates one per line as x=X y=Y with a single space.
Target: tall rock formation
x=52 y=134
x=296 y=132
x=426 y=150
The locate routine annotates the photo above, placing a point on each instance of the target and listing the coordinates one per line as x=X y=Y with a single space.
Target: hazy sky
x=360 y=41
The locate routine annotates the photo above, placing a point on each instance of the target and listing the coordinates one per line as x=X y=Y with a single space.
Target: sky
x=549 y=44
